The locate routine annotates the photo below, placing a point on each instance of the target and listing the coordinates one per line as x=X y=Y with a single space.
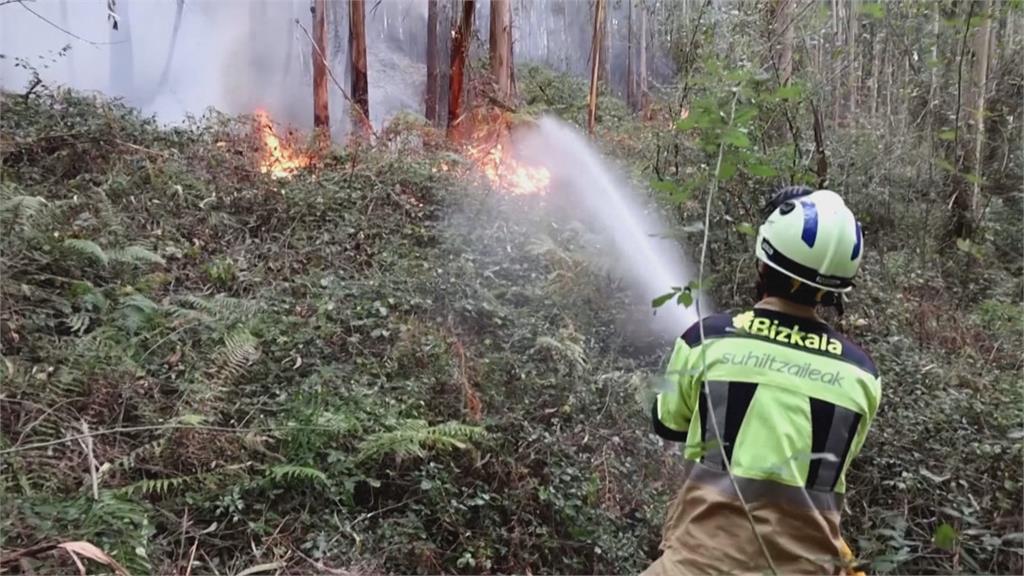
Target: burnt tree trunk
x=501 y=47
x=430 y=96
x=321 y=113
x=460 y=48
x=357 y=66
x=595 y=64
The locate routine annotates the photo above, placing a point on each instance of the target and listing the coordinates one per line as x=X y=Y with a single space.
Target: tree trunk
x=595 y=64
x=501 y=47
x=360 y=86
x=979 y=77
x=631 y=98
x=430 y=95
x=643 y=55
x=876 y=63
x=851 y=57
x=460 y=48
x=605 y=72
x=321 y=114
x=782 y=30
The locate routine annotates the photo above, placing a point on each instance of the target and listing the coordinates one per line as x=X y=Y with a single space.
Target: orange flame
x=277 y=159
x=507 y=174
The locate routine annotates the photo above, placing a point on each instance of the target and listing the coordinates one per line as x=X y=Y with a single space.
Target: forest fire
x=276 y=157
x=503 y=170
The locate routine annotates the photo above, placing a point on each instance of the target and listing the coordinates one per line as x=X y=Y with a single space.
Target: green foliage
x=412 y=438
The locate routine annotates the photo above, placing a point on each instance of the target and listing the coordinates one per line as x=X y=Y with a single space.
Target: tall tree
x=460 y=48
x=852 y=72
x=430 y=95
x=631 y=98
x=642 y=81
x=595 y=63
x=357 y=65
x=501 y=47
x=979 y=77
x=782 y=36
x=321 y=114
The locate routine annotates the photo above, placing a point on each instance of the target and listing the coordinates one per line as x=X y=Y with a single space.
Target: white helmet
x=813 y=237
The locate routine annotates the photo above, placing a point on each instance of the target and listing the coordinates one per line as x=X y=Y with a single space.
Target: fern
x=239 y=351
x=134 y=255
x=137 y=311
x=291 y=472
x=87 y=249
x=157 y=486
x=223 y=308
x=415 y=437
x=20 y=212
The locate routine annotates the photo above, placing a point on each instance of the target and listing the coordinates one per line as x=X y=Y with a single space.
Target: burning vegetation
x=277 y=157
x=490 y=152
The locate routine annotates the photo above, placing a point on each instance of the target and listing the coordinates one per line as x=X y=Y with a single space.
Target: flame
x=277 y=159
x=505 y=173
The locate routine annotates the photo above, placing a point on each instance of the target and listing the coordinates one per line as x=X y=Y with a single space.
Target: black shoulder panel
x=714 y=326
x=854 y=354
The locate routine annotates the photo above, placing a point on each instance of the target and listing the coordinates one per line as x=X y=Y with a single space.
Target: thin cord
x=703 y=350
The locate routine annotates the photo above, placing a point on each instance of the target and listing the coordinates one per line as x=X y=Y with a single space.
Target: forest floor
x=377 y=366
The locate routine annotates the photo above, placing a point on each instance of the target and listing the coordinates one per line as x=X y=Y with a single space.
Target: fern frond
x=86 y=248
x=134 y=255
x=291 y=472
x=137 y=311
x=223 y=308
x=415 y=437
x=239 y=351
x=157 y=486
x=20 y=212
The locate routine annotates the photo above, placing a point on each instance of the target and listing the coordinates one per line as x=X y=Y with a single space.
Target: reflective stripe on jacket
x=793 y=401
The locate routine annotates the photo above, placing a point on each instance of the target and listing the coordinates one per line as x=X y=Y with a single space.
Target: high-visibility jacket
x=792 y=400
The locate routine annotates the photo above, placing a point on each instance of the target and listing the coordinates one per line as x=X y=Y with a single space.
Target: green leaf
x=737 y=138
x=945 y=165
x=873 y=11
x=947 y=135
x=944 y=537
x=660 y=300
x=761 y=170
x=744 y=228
x=688 y=123
x=788 y=92
x=665 y=186
x=727 y=170
x=685 y=298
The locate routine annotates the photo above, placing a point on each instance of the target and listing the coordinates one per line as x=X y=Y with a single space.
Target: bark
x=631 y=98
x=979 y=77
x=460 y=48
x=360 y=86
x=321 y=114
x=782 y=31
x=851 y=55
x=605 y=71
x=876 y=63
x=595 y=63
x=643 y=56
x=501 y=47
x=430 y=96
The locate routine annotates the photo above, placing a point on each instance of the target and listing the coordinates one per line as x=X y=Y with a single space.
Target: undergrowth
x=374 y=366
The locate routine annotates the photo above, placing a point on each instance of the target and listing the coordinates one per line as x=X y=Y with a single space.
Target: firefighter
x=776 y=397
